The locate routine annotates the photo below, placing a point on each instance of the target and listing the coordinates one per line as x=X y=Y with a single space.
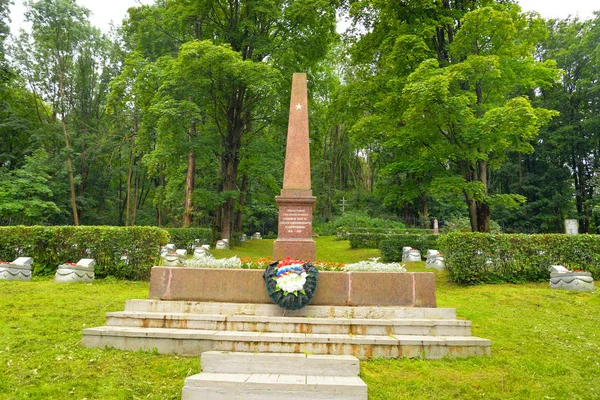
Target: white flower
x=292 y=283
x=374 y=265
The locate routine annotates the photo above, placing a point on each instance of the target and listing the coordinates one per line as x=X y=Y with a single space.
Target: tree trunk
x=189 y=188
x=69 y=161
x=128 y=190
x=238 y=219
x=229 y=185
x=472 y=207
x=483 y=216
x=130 y=170
x=135 y=198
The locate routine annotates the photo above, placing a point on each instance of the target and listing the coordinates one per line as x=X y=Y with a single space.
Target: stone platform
x=254 y=349
x=190 y=328
x=399 y=289
x=249 y=376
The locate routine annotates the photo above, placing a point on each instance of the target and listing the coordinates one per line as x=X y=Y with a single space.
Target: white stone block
x=87 y=263
x=411 y=255
x=173 y=259
x=181 y=252
x=222 y=245
x=69 y=273
x=11 y=272
x=23 y=261
x=201 y=252
x=558 y=269
x=578 y=281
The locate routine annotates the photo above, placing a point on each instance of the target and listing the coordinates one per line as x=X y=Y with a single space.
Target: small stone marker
x=181 y=252
x=206 y=246
x=172 y=259
x=18 y=270
x=436 y=229
x=243 y=238
x=571 y=226
x=411 y=255
x=579 y=281
x=171 y=247
x=201 y=252
x=256 y=236
x=83 y=271
x=435 y=259
x=222 y=245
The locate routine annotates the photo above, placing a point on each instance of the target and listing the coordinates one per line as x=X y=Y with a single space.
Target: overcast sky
x=105 y=11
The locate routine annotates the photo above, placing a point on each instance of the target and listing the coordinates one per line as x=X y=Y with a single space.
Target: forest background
x=465 y=111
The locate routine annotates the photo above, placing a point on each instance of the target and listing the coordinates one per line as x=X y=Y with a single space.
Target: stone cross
x=296 y=201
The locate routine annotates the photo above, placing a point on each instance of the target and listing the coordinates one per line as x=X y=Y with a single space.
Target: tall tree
x=58 y=27
x=290 y=34
x=574 y=136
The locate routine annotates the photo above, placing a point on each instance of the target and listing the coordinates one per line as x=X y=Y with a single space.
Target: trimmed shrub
x=53 y=245
x=184 y=238
x=343 y=233
x=366 y=240
x=473 y=258
x=391 y=248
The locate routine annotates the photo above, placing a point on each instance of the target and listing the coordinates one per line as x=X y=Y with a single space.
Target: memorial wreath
x=291 y=284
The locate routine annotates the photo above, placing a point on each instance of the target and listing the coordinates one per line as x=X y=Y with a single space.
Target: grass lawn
x=546 y=343
x=328 y=249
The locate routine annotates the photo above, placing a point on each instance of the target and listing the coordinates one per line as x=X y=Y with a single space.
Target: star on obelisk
x=298 y=106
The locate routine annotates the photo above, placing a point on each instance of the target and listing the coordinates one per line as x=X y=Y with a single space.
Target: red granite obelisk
x=296 y=201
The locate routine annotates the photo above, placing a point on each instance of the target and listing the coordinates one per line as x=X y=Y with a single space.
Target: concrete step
x=217 y=386
x=196 y=341
x=260 y=323
x=276 y=363
x=273 y=310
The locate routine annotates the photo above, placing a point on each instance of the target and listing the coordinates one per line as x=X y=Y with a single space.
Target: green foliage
x=363 y=220
x=25 y=195
x=463 y=224
x=473 y=258
x=53 y=245
x=184 y=238
x=391 y=248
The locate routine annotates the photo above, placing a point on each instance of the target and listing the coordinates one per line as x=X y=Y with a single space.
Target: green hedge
x=183 y=238
x=473 y=258
x=53 y=245
x=391 y=248
x=366 y=240
x=344 y=232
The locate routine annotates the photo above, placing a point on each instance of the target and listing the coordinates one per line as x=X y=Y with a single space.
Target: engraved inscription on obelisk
x=296 y=200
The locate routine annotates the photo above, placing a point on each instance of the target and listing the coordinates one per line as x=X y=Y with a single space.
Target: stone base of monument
x=274 y=376
x=580 y=281
x=361 y=314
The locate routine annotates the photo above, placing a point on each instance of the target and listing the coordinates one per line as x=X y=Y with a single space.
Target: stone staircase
x=191 y=328
x=275 y=376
